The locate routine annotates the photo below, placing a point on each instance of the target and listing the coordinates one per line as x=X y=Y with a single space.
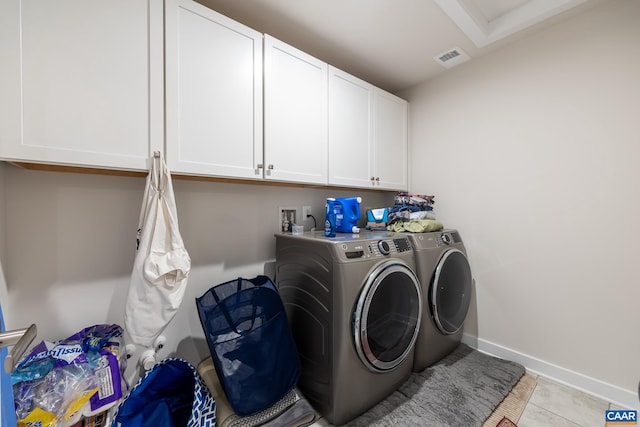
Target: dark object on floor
x=171 y=394
x=293 y=410
x=248 y=334
x=462 y=389
x=506 y=422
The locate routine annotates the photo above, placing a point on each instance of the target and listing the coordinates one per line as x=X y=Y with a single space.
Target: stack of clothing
x=413 y=213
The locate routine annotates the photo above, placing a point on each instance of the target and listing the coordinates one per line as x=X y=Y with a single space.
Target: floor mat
x=513 y=405
x=463 y=389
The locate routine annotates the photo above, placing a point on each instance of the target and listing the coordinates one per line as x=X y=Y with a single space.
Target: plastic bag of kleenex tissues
x=59 y=383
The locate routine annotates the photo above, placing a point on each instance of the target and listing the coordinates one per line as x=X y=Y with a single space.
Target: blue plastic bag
x=171 y=394
x=250 y=342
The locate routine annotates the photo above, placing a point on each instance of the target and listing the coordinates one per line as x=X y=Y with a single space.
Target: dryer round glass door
x=450 y=293
x=387 y=316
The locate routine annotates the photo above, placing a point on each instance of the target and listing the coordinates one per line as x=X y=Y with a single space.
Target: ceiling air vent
x=452 y=57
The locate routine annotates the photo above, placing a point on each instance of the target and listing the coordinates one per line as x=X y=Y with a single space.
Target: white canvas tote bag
x=162 y=264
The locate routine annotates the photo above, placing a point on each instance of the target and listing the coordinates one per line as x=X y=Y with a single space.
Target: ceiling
x=392 y=43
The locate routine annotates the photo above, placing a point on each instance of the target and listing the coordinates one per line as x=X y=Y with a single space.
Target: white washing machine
x=354 y=304
x=445 y=277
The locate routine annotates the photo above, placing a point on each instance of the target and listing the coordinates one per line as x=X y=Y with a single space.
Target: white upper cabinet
x=81 y=82
x=367 y=135
x=295 y=111
x=390 y=141
x=96 y=83
x=350 y=130
x=213 y=93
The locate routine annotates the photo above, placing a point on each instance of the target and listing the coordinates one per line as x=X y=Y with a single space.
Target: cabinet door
x=214 y=93
x=390 y=141
x=81 y=81
x=295 y=134
x=350 y=130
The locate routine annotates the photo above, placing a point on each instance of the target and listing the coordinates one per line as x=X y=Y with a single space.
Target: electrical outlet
x=306 y=211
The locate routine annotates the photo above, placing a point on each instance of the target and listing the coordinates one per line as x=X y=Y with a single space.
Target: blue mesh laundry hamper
x=251 y=345
x=171 y=394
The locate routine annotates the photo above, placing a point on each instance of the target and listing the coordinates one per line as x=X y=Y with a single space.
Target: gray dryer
x=445 y=276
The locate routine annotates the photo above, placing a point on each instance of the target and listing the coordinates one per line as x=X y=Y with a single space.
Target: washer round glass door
x=387 y=316
x=450 y=293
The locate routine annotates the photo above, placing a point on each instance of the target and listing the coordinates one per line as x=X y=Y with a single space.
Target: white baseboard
x=611 y=393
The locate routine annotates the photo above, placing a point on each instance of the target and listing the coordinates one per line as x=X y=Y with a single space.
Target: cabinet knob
x=377 y=179
x=270 y=167
x=373 y=178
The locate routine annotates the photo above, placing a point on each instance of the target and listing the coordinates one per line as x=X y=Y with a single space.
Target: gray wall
x=70 y=241
x=3 y=285
x=533 y=153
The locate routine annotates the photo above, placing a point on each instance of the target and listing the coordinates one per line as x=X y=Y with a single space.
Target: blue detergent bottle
x=330 y=218
x=348 y=215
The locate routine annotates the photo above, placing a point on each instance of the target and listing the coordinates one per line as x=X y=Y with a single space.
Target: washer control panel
x=375 y=248
x=383 y=247
x=402 y=245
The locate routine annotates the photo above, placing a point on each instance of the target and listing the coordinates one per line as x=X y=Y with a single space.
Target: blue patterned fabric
x=171 y=394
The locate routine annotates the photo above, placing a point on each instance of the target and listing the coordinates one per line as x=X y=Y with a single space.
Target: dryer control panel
x=448 y=238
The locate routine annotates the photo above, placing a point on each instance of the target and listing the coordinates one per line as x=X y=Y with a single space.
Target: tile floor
x=554 y=404
x=547 y=404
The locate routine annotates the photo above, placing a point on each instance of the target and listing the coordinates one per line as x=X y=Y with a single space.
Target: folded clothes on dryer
x=414 y=199
x=422 y=215
x=410 y=216
x=416 y=226
x=409 y=207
